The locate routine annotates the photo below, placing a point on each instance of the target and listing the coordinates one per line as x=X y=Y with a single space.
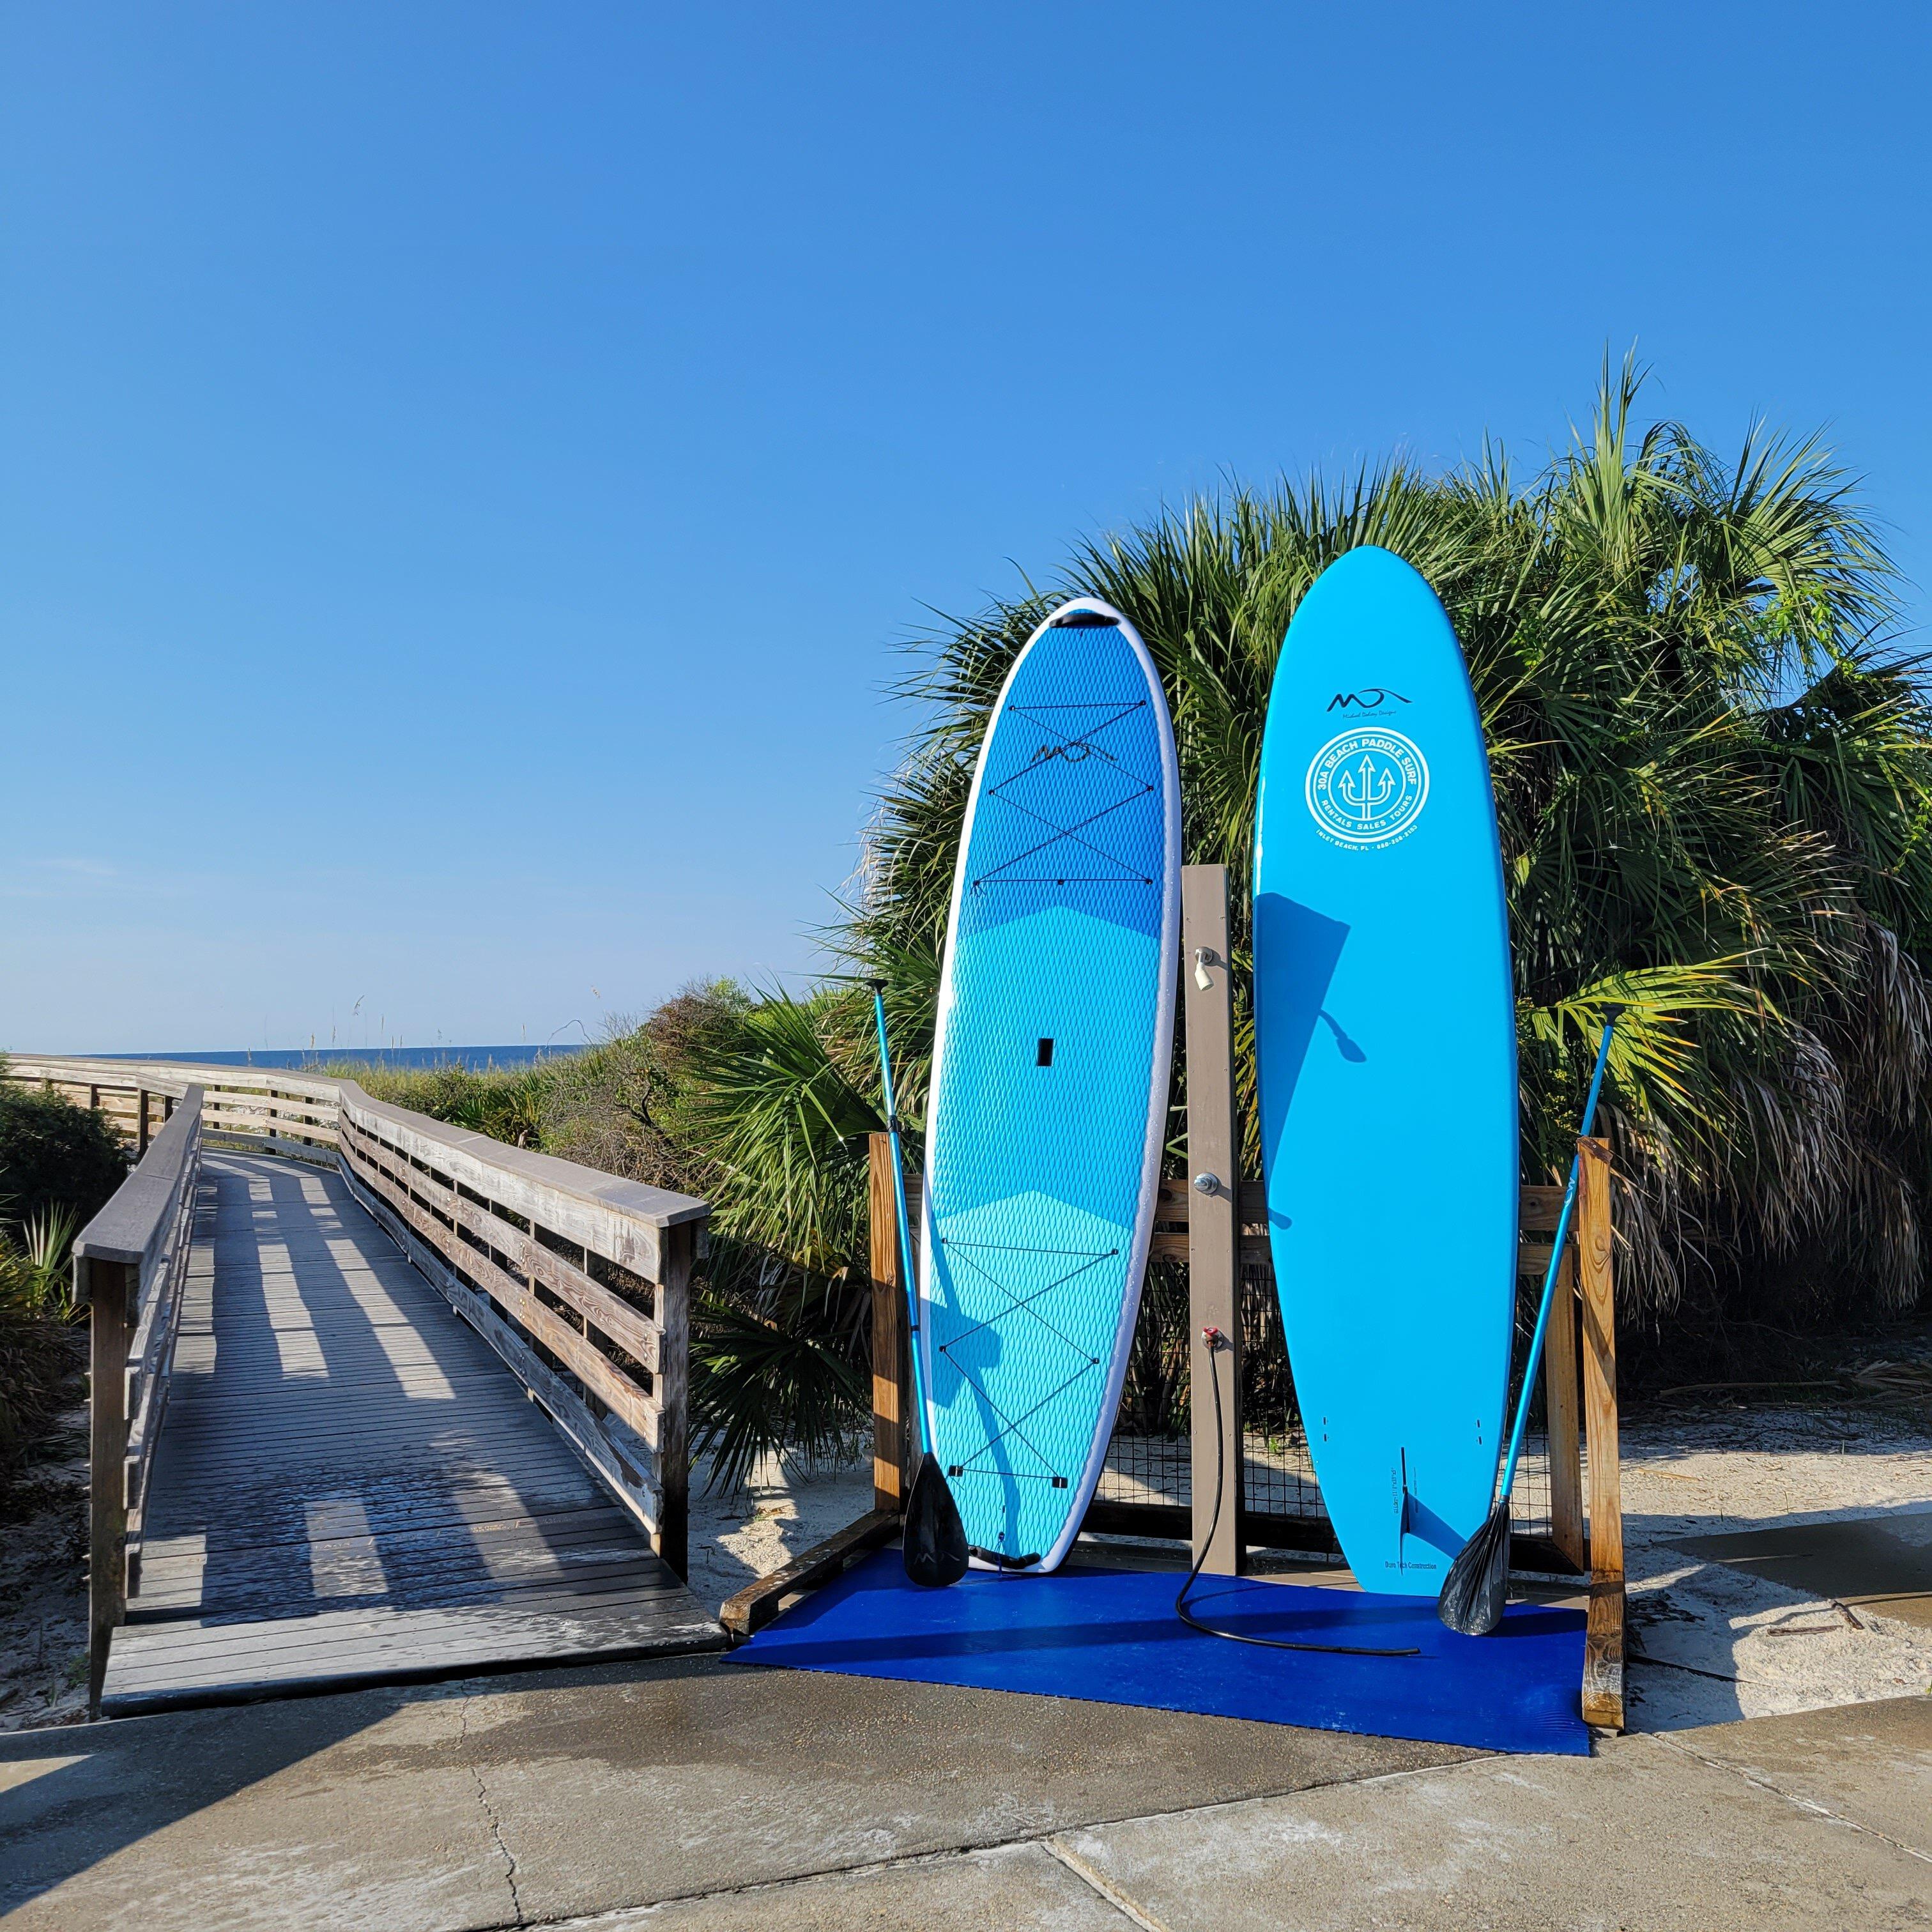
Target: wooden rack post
x=1604 y=1643
x=1213 y=1220
x=890 y=1365
x=1560 y=1398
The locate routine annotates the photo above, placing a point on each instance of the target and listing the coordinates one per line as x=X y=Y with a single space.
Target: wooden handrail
x=255 y=1107
x=579 y=1280
x=130 y=1264
x=166 y=1076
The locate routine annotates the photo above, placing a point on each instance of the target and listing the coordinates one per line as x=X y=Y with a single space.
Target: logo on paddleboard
x=1373 y=699
x=1367 y=787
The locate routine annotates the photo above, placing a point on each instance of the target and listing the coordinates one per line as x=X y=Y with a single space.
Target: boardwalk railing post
x=1214 y=1216
x=888 y=1330
x=111 y=1291
x=129 y=1263
x=1603 y=1651
x=672 y=1541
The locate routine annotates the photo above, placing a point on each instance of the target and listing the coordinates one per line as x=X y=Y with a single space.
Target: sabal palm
x=1714 y=788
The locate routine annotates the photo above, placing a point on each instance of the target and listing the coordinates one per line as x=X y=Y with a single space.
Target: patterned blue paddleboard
x=1049 y=1082
x=1385 y=1043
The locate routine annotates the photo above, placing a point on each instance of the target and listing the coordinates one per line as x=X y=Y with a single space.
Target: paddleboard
x=1385 y=1047
x=1049 y=1096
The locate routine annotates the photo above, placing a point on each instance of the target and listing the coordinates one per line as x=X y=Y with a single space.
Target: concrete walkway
x=690 y=1794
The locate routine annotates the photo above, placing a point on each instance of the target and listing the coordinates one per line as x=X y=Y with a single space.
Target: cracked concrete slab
x=155 y=1823
x=492 y=1819
x=1645 y=1835
x=780 y=1777
x=692 y=1795
x=1871 y=1763
x=1009 y=1885
x=419 y=1810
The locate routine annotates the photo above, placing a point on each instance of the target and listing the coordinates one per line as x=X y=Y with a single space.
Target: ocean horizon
x=296 y=1059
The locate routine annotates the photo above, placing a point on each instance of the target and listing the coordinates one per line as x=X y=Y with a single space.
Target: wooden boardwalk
x=350 y=1486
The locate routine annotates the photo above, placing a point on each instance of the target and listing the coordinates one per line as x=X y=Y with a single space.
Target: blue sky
x=468 y=466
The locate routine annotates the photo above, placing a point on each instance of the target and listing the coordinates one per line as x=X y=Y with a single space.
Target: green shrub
x=41 y=1345
x=505 y=1102
x=40 y=1359
x=54 y=1156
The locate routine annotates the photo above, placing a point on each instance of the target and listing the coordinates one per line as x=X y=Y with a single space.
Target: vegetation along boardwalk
x=376 y=1425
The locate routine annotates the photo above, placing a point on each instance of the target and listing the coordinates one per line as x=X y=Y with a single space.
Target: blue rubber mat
x=1112 y=1636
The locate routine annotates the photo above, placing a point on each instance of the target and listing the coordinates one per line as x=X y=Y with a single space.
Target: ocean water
x=296 y=1058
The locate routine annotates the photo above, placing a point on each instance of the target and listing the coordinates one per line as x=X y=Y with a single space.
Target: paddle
x=1478 y=1584
x=935 y=1538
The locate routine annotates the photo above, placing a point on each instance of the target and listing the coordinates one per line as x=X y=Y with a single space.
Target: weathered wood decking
x=350 y=1486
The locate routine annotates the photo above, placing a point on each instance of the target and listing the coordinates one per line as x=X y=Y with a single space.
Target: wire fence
x=1148 y=1456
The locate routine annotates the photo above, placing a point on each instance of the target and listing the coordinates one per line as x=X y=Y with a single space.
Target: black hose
x=1181 y=1609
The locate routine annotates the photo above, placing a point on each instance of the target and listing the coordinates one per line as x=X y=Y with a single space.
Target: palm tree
x=1714 y=785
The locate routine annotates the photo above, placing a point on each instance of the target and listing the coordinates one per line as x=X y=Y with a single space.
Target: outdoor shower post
x=1214 y=1216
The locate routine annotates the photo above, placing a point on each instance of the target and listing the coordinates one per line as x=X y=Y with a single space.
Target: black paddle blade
x=1477 y=1587
x=935 y=1538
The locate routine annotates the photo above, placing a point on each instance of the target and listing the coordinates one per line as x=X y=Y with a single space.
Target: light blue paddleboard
x=1385 y=1043
x=1049 y=1082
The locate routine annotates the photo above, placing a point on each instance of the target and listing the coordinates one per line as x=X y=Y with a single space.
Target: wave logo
x=1367 y=787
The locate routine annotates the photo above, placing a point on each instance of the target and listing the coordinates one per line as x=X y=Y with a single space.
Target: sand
x=43 y=1584
x=1769 y=1649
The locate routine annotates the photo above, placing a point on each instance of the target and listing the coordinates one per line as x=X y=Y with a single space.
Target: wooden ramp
x=350 y=1488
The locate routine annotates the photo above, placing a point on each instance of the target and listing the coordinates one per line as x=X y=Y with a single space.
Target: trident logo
x=1365 y=790
x=1367 y=787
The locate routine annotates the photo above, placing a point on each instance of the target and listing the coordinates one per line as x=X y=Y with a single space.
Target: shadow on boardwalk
x=350 y=1486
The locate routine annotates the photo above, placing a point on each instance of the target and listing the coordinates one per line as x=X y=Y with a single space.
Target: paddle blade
x=1477 y=1587
x=935 y=1538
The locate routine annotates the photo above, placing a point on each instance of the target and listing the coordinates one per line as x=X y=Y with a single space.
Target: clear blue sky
x=467 y=465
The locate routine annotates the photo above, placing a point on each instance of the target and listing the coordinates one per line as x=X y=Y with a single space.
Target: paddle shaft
x=1555 y=1268
x=899 y=1194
